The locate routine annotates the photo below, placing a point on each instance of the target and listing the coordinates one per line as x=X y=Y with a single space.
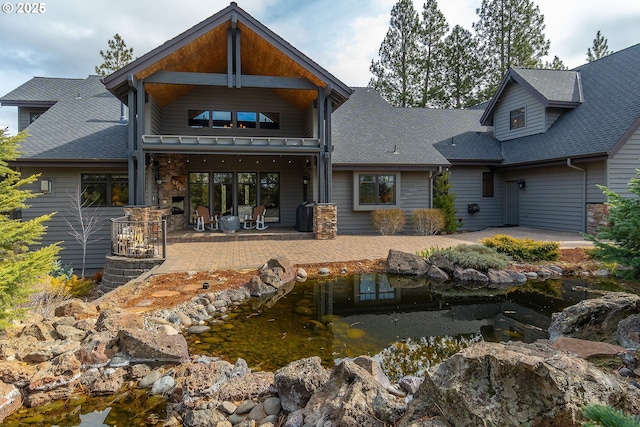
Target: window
x=33 y=116
x=516 y=118
x=247 y=120
x=373 y=190
x=105 y=189
x=269 y=120
x=487 y=184
x=198 y=118
x=221 y=119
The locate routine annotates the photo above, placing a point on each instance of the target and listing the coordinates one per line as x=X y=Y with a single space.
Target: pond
x=406 y=324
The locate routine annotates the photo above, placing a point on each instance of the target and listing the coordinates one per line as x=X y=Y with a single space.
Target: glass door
x=247 y=192
x=198 y=193
x=223 y=193
x=270 y=195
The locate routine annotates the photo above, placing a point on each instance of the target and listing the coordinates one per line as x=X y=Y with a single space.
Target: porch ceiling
x=208 y=54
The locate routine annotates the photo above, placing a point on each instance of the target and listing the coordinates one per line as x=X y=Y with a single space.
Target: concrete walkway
x=205 y=256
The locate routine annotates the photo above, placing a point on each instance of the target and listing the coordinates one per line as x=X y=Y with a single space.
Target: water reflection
x=367 y=313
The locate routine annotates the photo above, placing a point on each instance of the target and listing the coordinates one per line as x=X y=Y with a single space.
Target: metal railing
x=138 y=239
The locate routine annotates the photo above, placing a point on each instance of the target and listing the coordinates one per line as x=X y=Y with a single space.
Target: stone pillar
x=597 y=216
x=325 y=221
x=173 y=173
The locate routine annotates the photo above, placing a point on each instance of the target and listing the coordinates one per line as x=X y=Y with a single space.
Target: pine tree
x=433 y=28
x=20 y=265
x=556 y=64
x=445 y=200
x=600 y=48
x=511 y=33
x=396 y=73
x=116 y=57
x=463 y=69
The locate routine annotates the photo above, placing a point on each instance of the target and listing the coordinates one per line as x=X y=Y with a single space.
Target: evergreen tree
x=396 y=73
x=600 y=48
x=20 y=266
x=116 y=57
x=432 y=31
x=445 y=200
x=556 y=64
x=511 y=33
x=463 y=69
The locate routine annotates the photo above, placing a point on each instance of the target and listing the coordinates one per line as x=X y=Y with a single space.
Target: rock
x=297 y=382
x=16 y=373
x=96 y=349
x=10 y=400
x=150 y=378
x=43 y=331
x=110 y=382
x=198 y=329
x=516 y=384
x=594 y=319
x=531 y=275
x=443 y=263
x=294 y=419
x=245 y=407
x=76 y=308
x=201 y=379
x=258 y=288
x=269 y=421
x=272 y=406
x=324 y=271
x=141 y=346
x=352 y=397
x=405 y=263
x=282 y=266
x=228 y=407
x=373 y=367
x=115 y=319
x=301 y=273
x=628 y=332
x=140 y=371
x=163 y=386
x=202 y=418
x=254 y=385
x=272 y=279
x=71 y=333
x=88 y=325
x=257 y=413
x=436 y=274
x=410 y=384
x=469 y=275
x=505 y=277
x=167 y=330
x=586 y=349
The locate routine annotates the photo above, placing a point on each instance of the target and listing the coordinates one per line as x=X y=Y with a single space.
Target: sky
x=342 y=36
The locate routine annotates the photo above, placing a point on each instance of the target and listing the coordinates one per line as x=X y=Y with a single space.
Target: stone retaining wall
x=120 y=270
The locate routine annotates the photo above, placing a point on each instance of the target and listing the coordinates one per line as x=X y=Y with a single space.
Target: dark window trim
x=109 y=186
x=517 y=118
x=235 y=122
x=357 y=206
x=488 y=184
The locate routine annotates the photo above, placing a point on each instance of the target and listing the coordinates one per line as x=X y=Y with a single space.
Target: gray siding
x=155 y=117
x=515 y=97
x=414 y=194
x=174 y=116
x=65 y=184
x=595 y=176
x=622 y=167
x=553 y=198
x=24 y=116
x=466 y=184
x=552 y=115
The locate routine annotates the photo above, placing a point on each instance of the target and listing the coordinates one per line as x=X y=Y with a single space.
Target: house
x=229 y=115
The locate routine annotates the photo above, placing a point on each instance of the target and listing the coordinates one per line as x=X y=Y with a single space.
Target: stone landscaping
x=101 y=350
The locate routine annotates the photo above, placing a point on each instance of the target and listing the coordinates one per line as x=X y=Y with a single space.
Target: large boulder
x=114 y=319
x=282 y=267
x=10 y=400
x=628 y=332
x=142 y=346
x=76 y=308
x=352 y=397
x=516 y=384
x=405 y=263
x=594 y=319
x=297 y=382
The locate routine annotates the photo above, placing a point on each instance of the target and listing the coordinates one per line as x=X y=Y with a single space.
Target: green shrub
x=600 y=415
x=388 y=221
x=427 y=222
x=478 y=257
x=523 y=250
x=427 y=252
x=445 y=199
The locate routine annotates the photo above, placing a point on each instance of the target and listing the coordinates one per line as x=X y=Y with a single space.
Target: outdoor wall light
x=46 y=186
x=305 y=179
x=521 y=183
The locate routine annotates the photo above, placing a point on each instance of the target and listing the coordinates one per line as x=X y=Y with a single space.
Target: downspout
x=584 y=193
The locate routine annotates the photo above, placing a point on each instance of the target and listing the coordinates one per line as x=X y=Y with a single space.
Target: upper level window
x=105 y=189
x=198 y=118
x=487 y=184
x=33 y=116
x=516 y=118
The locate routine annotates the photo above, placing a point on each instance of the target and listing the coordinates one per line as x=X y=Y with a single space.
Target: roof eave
x=23 y=103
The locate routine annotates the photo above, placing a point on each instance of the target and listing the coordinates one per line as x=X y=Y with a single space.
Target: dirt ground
x=168 y=290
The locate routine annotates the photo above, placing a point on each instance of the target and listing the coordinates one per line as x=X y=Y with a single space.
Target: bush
x=478 y=257
x=608 y=416
x=523 y=250
x=427 y=222
x=388 y=221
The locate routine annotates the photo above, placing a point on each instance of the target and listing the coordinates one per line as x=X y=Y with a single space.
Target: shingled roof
x=367 y=130
x=82 y=123
x=608 y=115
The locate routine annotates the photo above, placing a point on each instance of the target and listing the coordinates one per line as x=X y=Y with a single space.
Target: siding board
x=515 y=97
x=622 y=167
x=466 y=184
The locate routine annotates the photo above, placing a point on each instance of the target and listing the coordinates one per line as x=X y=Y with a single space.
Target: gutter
x=584 y=192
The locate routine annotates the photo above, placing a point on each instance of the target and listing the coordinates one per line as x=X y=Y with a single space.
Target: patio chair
x=255 y=220
x=204 y=219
